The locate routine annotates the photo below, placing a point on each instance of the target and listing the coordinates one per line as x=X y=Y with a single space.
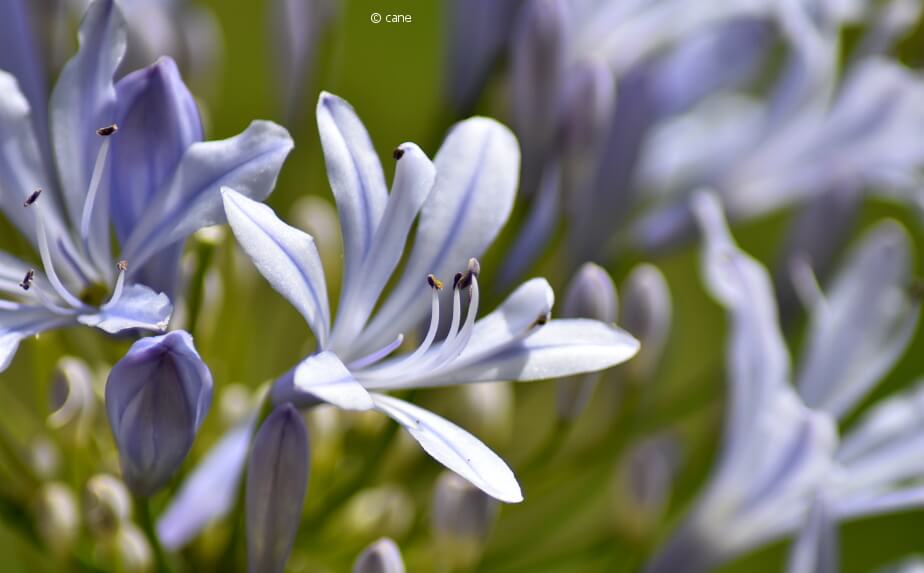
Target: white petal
x=326 y=377
x=530 y=304
x=477 y=172
x=138 y=307
x=414 y=177
x=18 y=321
x=285 y=256
x=355 y=176
x=455 y=448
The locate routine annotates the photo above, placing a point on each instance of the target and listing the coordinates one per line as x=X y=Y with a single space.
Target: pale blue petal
x=455 y=448
x=248 y=162
x=285 y=256
x=477 y=171
x=356 y=179
x=326 y=377
x=18 y=322
x=864 y=325
x=816 y=548
x=138 y=307
x=209 y=492
x=414 y=177
x=84 y=101
x=20 y=55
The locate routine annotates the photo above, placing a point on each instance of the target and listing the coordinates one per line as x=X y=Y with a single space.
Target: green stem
x=143 y=510
x=204 y=255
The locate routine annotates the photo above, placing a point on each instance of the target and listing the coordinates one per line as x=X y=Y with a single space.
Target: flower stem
x=146 y=521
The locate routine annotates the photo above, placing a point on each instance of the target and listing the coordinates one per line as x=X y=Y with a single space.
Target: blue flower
x=782 y=463
x=156 y=398
x=126 y=155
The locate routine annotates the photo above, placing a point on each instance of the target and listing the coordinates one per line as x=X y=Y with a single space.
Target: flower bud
x=590 y=294
x=643 y=484
x=487 y=410
x=646 y=314
x=73 y=399
x=277 y=478
x=587 y=105
x=383 y=556
x=462 y=517
x=133 y=552
x=386 y=509
x=106 y=505
x=56 y=516
x=537 y=61
x=156 y=399
x=44 y=457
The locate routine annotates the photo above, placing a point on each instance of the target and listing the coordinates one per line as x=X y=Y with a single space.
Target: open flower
x=126 y=155
x=463 y=200
x=783 y=465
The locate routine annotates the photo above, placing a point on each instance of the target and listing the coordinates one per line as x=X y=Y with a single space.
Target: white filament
x=87 y=215
x=45 y=254
x=377 y=355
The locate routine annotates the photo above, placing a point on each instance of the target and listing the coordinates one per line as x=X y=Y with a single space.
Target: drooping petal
x=84 y=100
x=325 y=376
x=356 y=179
x=209 y=491
x=455 y=448
x=21 y=321
x=138 y=307
x=477 y=170
x=156 y=398
x=158 y=120
x=277 y=479
x=285 y=256
x=864 y=325
x=248 y=162
x=816 y=548
x=414 y=178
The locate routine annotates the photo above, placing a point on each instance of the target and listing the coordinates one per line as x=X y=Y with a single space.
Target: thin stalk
x=146 y=520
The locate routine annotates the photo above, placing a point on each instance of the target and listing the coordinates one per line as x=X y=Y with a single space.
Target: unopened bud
x=133 y=552
x=57 y=518
x=643 y=484
x=156 y=399
x=462 y=517
x=277 y=479
x=383 y=556
x=386 y=509
x=73 y=399
x=646 y=314
x=107 y=504
x=590 y=294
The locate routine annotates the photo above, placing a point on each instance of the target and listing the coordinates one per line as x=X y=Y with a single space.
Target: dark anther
x=541 y=319
x=32 y=198
x=122 y=265
x=456 y=280
x=108 y=130
x=27 y=280
x=398 y=153
x=434 y=282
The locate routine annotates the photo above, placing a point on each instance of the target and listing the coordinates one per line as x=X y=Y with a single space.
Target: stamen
x=398 y=153
x=120 y=283
x=377 y=355
x=451 y=349
x=95 y=179
x=474 y=268
x=26 y=283
x=45 y=254
x=434 y=282
x=32 y=198
x=108 y=130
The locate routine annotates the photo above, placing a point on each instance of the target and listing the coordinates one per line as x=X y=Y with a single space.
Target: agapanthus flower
x=460 y=202
x=782 y=463
x=127 y=156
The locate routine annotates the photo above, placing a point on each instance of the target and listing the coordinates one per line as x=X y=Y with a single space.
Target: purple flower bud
x=277 y=478
x=646 y=314
x=590 y=294
x=463 y=516
x=537 y=62
x=383 y=556
x=156 y=399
